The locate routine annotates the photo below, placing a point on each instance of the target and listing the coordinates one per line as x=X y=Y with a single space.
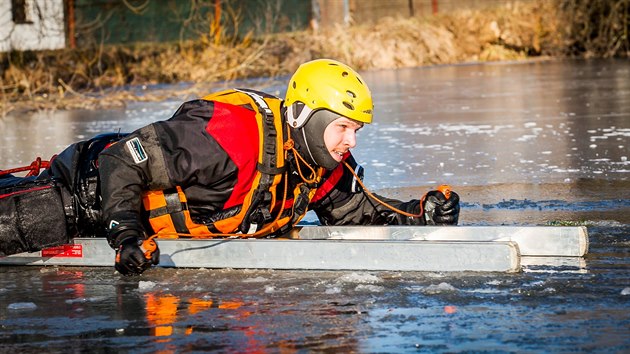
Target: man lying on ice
x=234 y=163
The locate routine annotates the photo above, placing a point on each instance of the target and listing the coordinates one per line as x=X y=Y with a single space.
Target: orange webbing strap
x=445 y=189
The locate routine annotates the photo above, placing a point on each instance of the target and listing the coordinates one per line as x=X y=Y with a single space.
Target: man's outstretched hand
x=131 y=259
x=440 y=210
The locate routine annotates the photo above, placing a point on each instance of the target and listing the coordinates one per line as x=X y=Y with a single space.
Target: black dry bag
x=32 y=214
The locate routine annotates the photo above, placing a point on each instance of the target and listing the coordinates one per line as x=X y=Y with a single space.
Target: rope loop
x=33 y=169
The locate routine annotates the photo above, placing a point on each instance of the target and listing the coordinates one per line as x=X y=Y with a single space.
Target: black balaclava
x=309 y=139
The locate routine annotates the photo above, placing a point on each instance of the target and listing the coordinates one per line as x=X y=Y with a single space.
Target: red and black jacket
x=210 y=149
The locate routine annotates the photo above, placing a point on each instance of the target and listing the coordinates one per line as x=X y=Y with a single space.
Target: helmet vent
x=348 y=105
x=351 y=94
x=344 y=74
x=294 y=84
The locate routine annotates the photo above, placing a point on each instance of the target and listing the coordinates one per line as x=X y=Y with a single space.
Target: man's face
x=340 y=136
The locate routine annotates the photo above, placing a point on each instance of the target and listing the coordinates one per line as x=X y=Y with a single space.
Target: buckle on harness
x=258 y=212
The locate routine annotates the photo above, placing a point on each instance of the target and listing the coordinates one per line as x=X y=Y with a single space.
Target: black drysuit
x=97 y=182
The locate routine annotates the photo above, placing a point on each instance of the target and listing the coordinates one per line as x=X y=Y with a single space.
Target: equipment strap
x=176 y=208
x=268 y=159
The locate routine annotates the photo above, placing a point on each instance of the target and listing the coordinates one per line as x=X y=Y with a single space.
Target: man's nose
x=350 y=138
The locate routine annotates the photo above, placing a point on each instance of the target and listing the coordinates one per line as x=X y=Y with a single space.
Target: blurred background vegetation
x=114 y=46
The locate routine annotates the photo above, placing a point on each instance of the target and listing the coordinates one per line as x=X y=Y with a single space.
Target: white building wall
x=45 y=32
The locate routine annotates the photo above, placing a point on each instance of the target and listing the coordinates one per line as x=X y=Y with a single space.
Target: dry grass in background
x=68 y=79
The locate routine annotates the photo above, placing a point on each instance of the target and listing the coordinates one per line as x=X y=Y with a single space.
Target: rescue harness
x=170 y=217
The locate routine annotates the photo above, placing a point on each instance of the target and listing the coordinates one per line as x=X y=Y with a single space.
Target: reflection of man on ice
x=235 y=163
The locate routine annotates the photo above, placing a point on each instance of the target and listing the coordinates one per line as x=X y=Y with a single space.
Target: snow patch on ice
x=525 y=138
x=415 y=130
x=474 y=129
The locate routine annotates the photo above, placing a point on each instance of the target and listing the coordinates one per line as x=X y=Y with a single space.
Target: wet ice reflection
x=474 y=125
x=27 y=136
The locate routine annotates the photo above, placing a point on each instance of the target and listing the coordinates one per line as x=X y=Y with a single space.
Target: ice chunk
x=255 y=280
x=270 y=289
x=82 y=300
x=19 y=306
x=145 y=285
x=440 y=288
x=333 y=290
x=369 y=288
x=363 y=278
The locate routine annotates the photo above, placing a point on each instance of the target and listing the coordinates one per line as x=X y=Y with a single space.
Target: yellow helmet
x=328 y=84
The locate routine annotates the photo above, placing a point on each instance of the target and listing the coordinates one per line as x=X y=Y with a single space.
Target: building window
x=20 y=11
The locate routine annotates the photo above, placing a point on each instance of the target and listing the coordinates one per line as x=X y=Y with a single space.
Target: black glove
x=131 y=259
x=441 y=211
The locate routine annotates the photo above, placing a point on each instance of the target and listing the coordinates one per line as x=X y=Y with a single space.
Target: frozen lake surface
x=523 y=144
